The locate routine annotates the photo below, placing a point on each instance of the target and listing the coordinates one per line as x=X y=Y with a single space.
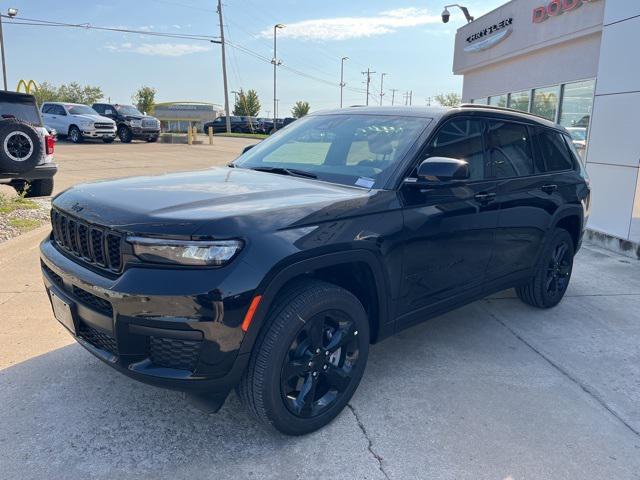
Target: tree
x=76 y=93
x=451 y=99
x=300 y=109
x=247 y=104
x=145 y=99
x=46 y=92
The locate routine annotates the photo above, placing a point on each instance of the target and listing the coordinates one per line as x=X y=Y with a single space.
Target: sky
x=404 y=39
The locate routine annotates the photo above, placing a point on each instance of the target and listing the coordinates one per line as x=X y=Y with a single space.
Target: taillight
x=50 y=143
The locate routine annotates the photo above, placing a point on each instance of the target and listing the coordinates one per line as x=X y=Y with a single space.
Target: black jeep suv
x=275 y=274
x=131 y=122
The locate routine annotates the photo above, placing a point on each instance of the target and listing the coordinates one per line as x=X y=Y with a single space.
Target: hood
x=94 y=118
x=218 y=203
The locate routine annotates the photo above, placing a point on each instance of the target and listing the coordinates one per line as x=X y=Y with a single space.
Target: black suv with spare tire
x=26 y=146
x=275 y=274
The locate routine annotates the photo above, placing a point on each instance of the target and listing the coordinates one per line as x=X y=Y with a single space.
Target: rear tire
x=40 y=188
x=553 y=273
x=308 y=359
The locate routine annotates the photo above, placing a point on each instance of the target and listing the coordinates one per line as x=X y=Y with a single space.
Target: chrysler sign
x=490 y=36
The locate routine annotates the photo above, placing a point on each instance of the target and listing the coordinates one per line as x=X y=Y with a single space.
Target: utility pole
x=410 y=97
x=224 y=69
x=4 y=62
x=393 y=96
x=275 y=62
x=428 y=101
x=405 y=95
x=368 y=82
x=342 y=84
x=381 y=84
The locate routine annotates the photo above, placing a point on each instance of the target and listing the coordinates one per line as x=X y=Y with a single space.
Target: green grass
x=24 y=224
x=11 y=204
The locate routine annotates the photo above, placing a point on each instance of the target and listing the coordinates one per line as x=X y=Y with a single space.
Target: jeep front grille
x=93 y=244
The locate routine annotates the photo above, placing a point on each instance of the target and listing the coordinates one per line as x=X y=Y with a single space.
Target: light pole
x=342 y=84
x=224 y=68
x=275 y=62
x=12 y=12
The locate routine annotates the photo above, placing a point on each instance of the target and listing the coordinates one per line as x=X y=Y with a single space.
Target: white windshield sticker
x=365 y=182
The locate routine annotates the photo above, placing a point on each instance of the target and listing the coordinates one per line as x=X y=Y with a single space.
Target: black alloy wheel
x=124 y=134
x=308 y=358
x=553 y=273
x=319 y=364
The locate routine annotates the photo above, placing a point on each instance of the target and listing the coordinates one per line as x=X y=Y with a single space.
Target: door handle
x=484 y=197
x=549 y=188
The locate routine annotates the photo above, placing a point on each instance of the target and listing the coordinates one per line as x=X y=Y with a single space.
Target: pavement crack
x=369 y=442
x=565 y=373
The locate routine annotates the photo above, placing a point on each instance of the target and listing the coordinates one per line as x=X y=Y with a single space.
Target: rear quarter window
x=554 y=151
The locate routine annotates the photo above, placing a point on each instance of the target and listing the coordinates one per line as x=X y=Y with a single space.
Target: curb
x=7 y=249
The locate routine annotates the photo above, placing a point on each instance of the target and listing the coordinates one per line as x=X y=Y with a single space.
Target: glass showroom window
x=498 y=101
x=481 y=101
x=520 y=100
x=575 y=111
x=545 y=102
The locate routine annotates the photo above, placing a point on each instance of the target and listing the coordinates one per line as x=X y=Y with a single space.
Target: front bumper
x=163 y=326
x=144 y=132
x=99 y=133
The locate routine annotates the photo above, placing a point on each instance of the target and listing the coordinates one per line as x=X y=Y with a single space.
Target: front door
x=449 y=230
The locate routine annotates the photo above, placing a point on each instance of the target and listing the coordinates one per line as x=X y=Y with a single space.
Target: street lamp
x=11 y=13
x=342 y=84
x=446 y=15
x=275 y=62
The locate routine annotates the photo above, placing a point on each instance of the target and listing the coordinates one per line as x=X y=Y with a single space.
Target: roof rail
x=502 y=109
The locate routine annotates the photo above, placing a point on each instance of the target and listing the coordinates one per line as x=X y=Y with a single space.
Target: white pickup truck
x=77 y=122
x=26 y=147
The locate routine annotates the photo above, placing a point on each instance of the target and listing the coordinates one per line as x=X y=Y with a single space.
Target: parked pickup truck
x=26 y=147
x=132 y=123
x=77 y=122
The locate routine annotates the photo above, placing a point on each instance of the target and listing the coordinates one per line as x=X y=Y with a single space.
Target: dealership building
x=574 y=62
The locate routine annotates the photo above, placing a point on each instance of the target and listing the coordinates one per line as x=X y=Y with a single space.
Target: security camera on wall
x=445 y=16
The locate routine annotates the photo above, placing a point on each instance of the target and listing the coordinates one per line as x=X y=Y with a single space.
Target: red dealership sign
x=555 y=8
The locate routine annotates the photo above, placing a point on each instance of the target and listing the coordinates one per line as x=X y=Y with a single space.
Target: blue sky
x=405 y=39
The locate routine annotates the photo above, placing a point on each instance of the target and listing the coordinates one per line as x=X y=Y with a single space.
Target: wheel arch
x=570 y=218
x=357 y=271
x=71 y=126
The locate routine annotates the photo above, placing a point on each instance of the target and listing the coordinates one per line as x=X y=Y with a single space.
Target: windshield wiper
x=285 y=171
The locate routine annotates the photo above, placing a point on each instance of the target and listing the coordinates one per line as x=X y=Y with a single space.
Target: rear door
x=527 y=195
x=449 y=230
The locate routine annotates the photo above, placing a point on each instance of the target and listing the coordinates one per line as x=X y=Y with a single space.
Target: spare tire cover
x=20 y=147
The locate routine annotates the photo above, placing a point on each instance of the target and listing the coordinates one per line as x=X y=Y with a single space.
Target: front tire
x=553 y=273
x=308 y=359
x=124 y=134
x=75 y=135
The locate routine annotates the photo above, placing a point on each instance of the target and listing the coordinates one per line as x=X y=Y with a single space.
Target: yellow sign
x=29 y=86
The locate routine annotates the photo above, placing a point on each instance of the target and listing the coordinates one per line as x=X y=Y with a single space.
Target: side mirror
x=437 y=170
x=247 y=148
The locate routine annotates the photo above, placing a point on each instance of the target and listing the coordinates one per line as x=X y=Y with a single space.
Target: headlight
x=187 y=252
x=87 y=124
x=136 y=123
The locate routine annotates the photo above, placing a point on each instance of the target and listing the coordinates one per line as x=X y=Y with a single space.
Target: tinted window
x=554 y=151
x=509 y=148
x=58 y=110
x=461 y=139
x=46 y=108
x=99 y=108
x=20 y=107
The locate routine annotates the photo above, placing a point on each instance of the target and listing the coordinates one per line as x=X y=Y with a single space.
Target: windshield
x=81 y=110
x=128 y=110
x=359 y=150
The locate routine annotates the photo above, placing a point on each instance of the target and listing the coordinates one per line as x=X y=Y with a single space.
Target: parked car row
x=103 y=121
x=245 y=124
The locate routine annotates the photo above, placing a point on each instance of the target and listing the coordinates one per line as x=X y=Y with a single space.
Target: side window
x=99 y=109
x=509 y=147
x=554 y=151
x=58 y=110
x=46 y=108
x=462 y=139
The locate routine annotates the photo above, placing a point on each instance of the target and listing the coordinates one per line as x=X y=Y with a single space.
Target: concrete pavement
x=495 y=390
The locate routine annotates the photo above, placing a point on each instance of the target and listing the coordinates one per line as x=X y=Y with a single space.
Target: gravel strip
x=33 y=218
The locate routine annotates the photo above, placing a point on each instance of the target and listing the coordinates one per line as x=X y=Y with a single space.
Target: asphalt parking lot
x=495 y=390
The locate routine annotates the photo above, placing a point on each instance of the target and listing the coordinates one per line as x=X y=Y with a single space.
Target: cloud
x=344 y=28
x=159 y=49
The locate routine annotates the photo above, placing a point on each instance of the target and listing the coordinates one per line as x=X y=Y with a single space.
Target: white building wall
x=613 y=158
